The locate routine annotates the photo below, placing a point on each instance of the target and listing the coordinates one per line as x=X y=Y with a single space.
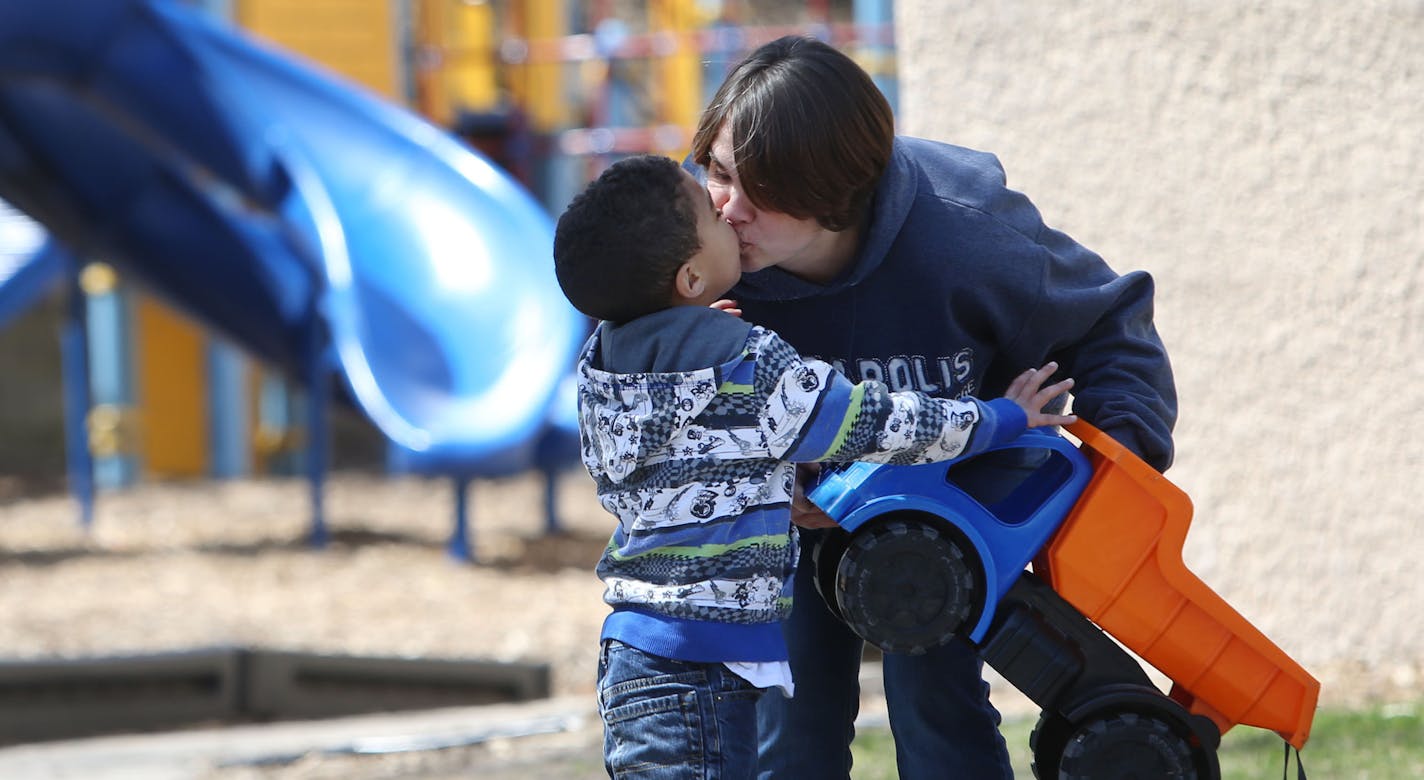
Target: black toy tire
x=1126 y=746
x=1050 y=735
x=826 y=554
x=907 y=585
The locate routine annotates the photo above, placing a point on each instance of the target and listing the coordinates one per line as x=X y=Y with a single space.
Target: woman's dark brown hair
x=811 y=133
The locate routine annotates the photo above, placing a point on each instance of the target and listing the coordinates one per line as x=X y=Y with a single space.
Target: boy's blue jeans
x=674 y=720
x=939 y=706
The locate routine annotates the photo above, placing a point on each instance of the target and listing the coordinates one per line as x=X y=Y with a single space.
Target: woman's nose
x=734 y=206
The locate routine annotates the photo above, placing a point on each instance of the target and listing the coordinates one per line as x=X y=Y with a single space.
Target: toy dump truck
x=932 y=556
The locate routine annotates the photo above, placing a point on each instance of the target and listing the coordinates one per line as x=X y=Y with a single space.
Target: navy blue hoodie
x=958 y=286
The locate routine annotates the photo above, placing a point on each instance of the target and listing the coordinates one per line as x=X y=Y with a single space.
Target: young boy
x=691 y=422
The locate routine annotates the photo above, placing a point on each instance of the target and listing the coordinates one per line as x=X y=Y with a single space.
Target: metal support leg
x=551 y=499
x=461 y=546
x=74 y=355
x=318 y=391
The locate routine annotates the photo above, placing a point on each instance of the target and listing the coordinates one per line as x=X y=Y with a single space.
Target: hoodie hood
x=676 y=339
x=625 y=418
x=634 y=395
x=889 y=207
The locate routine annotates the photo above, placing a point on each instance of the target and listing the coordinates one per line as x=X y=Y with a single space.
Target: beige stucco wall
x=1265 y=162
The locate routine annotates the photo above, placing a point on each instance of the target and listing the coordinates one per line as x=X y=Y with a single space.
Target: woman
x=910 y=262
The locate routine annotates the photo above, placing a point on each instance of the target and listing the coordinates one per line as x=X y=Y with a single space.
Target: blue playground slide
x=30 y=264
x=326 y=231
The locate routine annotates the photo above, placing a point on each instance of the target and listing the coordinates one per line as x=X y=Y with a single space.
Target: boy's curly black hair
x=620 y=242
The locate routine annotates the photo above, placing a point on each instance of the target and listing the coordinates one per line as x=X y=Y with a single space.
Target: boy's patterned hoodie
x=698 y=466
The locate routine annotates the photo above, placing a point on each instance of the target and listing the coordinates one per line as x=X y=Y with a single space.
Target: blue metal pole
x=279 y=413
x=551 y=498
x=110 y=338
x=873 y=15
x=74 y=356
x=229 y=443
x=727 y=50
x=230 y=446
x=461 y=546
x=318 y=390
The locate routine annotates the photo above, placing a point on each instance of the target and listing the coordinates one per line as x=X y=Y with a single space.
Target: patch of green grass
x=1380 y=743
x=873 y=755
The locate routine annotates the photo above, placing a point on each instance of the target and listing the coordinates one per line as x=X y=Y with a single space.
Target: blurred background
x=551 y=91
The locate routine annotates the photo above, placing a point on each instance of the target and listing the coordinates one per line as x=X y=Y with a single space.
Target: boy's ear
x=689 y=281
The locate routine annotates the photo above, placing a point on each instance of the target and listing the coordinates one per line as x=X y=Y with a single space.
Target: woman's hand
x=727 y=305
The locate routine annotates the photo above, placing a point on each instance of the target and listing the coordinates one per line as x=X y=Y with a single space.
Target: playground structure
x=551 y=89
x=932 y=555
x=328 y=233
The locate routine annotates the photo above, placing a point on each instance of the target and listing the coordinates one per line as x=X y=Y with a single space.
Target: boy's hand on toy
x=1028 y=392
x=727 y=305
x=804 y=513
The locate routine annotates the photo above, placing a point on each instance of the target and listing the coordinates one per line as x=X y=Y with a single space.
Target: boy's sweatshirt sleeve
x=812 y=412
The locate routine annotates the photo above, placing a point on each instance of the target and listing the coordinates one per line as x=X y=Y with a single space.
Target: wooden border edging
x=65 y=698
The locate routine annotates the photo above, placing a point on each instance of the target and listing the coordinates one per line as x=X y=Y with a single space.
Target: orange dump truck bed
x=1117 y=558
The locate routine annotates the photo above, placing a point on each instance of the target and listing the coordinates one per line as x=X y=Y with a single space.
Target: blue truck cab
x=1002 y=519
